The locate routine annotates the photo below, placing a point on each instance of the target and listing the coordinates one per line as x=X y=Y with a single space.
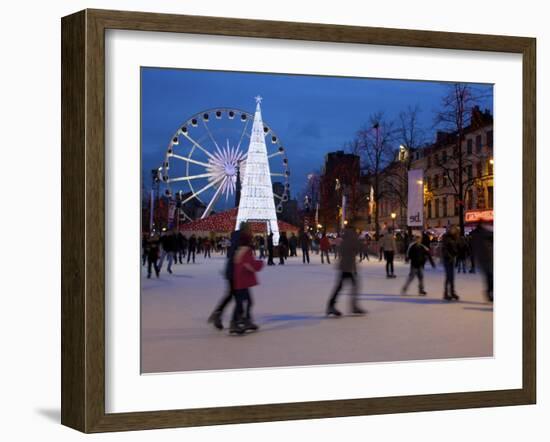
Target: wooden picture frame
x=83 y=220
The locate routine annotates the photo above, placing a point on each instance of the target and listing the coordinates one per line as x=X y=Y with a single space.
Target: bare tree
x=411 y=137
x=374 y=144
x=455 y=117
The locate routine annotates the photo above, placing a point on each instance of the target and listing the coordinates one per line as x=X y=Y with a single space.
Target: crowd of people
x=246 y=254
x=175 y=247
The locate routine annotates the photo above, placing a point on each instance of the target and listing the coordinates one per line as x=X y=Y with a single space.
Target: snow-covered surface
x=289 y=307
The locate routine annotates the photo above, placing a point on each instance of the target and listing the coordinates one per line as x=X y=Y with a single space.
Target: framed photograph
x=267 y=221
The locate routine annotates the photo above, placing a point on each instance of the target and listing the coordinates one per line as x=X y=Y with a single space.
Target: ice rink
x=290 y=307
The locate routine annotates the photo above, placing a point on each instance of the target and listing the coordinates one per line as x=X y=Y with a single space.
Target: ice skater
x=482 y=248
x=449 y=251
x=324 y=245
x=215 y=317
x=303 y=239
x=347 y=270
x=270 y=249
x=245 y=267
x=191 y=248
x=153 y=248
x=417 y=254
x=389 y=246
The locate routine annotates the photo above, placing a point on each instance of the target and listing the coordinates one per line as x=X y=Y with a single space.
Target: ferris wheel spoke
x=242 y=135
x=198 y=192
x=215 y=198
x=274 y=154
x=210 y=135
x=276 y=195
x=277 y=174
x=191 y=177
x=189 y=160
x=197 y=145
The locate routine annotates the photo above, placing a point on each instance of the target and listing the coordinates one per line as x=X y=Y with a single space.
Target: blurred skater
x=215 y=317
x=304 y=241
x=449 y=251
x=153 y=249
x=324 y=245
x=270 y=250
x=191 y=248
x=245 y=267
x=389 y=246
x=283 y=248
x=461 y=254
x=347 y=270
x=482 y=249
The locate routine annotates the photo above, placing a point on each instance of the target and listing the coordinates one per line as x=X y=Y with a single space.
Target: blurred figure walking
x=283 y=248
x=324 y=245
x=304 y=241
x=191 y=248
x=449 y=251
x=482 y=249
x=462 y=254
x=347 y=270
x=389 y=246
x=153 y=248
x=245 y=267
x=270 y=250
x=215 y=317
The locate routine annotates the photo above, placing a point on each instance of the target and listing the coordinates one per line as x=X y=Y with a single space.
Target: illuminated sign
x=474 y=216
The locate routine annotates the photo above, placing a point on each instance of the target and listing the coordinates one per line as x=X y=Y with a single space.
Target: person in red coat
x=245 y=266
x=325 y=247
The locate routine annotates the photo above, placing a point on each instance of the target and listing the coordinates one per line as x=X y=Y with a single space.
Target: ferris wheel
x=207 y=154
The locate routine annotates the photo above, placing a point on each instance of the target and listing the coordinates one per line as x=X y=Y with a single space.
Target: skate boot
x=455 y=297
x=236 y=328
x=249 y=325
x=422 y=292
x=331 y=311
x=216 y=320
x=356 y=310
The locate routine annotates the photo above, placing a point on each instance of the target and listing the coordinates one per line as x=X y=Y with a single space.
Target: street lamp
x=393 y=216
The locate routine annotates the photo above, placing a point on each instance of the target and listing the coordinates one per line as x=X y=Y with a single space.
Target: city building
x=339 y=182
x=289 y=206
x=445 y=189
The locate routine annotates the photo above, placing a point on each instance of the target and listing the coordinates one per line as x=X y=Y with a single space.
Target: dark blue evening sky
x=312 y=115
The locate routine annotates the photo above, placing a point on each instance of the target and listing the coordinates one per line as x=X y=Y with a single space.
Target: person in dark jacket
x=283 y=248
x=417 y=254
x=482 y=249
x=293 y=244
x=182 y=245
x=215 y=317
x=143 y=249
x=153 y=249
x=191 y=248
x=261 y=246
x=168 y=242
x=462 y=254
x=348 y=270
x=270 y=250
x=449 y=251
x=303 y=239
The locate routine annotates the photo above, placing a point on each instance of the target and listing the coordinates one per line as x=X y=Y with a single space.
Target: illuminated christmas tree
x=256 y=199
